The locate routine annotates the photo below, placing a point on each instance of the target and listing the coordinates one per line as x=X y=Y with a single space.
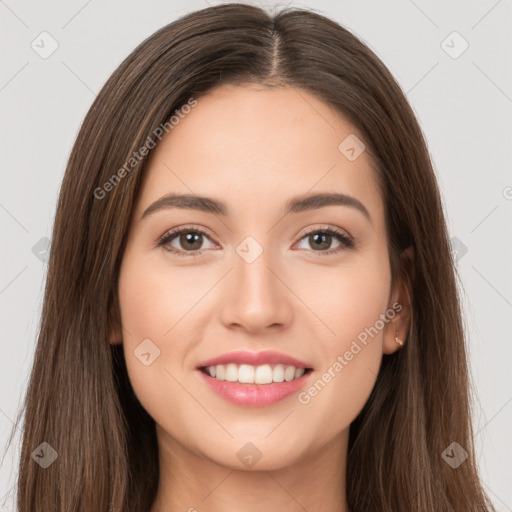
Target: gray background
x=463 y=104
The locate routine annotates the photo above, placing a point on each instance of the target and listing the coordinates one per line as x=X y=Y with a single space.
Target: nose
x=256 y=297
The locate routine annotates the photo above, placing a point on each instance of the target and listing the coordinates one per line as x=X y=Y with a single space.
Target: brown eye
x=191 y=240
x=184 y=242
x=321 y=241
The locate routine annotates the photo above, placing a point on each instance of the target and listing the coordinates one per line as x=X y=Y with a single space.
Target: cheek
x=147 y=300
x=351 y=297
x=153 y=299
x=357 y=302
x=159 y=309
x=357 y=298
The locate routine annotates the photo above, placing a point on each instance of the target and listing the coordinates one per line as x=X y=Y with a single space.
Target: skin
x=255 y=148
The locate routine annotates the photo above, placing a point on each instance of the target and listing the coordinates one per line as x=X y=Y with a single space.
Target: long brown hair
x=79 y=399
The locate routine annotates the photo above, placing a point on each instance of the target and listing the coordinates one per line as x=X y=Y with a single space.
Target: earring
x=398 y=340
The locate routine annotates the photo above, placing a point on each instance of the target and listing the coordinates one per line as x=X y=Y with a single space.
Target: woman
x=251 y=302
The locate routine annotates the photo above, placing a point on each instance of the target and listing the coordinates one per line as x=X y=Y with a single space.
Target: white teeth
x=278 y=373
x=263 y=374
x=220 y=372
x=231 y=372
x=289 y=373
x=248 y=374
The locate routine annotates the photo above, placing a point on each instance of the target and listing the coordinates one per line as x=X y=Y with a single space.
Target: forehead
x=254 y=145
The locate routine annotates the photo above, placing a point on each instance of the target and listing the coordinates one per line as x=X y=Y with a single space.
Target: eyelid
x=324 y=227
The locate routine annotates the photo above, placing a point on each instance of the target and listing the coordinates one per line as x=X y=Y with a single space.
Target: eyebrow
x=294 y=205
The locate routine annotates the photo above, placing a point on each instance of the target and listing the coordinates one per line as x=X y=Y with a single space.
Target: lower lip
x=254 y=395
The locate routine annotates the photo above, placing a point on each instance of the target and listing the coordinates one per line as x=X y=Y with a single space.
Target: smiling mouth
x=249 y=374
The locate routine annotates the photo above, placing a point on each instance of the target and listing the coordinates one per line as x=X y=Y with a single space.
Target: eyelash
x=346 y=242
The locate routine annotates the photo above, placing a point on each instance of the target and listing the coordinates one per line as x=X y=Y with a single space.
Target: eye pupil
x=323 y=237
x=191 y=238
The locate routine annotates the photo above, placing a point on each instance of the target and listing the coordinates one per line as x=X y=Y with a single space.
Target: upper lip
x=255 y=359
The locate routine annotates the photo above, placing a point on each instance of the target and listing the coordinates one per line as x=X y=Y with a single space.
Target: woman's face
x=260 y=278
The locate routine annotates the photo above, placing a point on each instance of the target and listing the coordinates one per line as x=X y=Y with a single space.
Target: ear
x=115 y=330
x=400 y=303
